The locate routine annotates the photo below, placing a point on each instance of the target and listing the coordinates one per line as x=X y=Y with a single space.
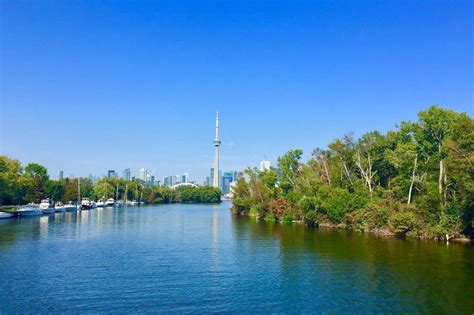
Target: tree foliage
x=416 y=180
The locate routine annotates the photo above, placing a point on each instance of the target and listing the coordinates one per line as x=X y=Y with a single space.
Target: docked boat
x=70 y=207
x=100 y=203
x=46 y=206
x=59 y=208
x=6 y=215
x=86 y=204
x=119 y=203
x=132 y=203
x=30 y=210
x=110 y=202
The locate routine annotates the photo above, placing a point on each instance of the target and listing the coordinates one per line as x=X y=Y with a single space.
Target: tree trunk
x=441 y=170
x=347 y=173
x=412 y=179
x=326 y=169
x=366 y=174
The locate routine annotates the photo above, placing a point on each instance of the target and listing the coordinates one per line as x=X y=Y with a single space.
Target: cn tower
x=217 y=143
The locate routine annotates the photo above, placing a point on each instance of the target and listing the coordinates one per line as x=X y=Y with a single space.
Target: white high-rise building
x=265 y=166
x=143 y=174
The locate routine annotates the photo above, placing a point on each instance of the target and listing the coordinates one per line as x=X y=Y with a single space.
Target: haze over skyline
x=91 y=86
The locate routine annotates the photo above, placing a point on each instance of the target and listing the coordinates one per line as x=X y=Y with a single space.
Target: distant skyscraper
x=217 y=143
x=126 y=174
x=227 y=178
x=170 y=181
x=143 y=174
x=111 y=174
x=60 y=175
x=184 y=178
x=265 y=166
x=150 y=180
x=167 y=181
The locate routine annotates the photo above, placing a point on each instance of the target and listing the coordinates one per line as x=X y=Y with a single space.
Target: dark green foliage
x=417 y=180
x=204 y=194
x=31 y=184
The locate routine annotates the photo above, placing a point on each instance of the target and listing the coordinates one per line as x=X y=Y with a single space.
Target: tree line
x=417 y=180
x=21 y=185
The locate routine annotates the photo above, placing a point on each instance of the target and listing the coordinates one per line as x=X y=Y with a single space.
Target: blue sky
x=88 y=86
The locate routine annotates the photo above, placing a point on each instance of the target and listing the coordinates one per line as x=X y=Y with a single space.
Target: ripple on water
x=195 y=258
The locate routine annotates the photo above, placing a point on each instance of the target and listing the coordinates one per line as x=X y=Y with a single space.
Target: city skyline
x=86 y=97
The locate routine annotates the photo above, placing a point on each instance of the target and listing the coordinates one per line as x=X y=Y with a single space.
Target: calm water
x=196 y=258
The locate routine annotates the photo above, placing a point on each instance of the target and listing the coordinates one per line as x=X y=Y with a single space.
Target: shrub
x=287 y=219
x=404 y=222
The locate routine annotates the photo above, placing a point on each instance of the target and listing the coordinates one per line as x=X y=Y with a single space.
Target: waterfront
x=200 y=258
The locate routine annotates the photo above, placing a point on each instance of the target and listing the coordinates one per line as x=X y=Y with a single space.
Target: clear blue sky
x=92 y=85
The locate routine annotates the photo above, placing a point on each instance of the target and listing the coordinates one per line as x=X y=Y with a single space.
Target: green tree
x=104 y=189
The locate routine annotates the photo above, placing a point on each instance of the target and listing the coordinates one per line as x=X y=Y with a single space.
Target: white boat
x=110 y=202
x=70 y=207
x=59 y=208
x=119 y=203
x=132 y=203
x=46 y=206
x=30 y=210
x=86 y=204
x=6 y=215
x=100 y=203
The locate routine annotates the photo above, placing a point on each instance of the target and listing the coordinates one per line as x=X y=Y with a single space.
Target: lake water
x=200 y=258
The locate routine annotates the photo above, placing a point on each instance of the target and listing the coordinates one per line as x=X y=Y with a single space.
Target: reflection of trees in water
x=8 y=231
x=379 y=273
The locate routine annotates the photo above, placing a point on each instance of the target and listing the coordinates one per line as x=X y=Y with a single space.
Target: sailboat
x=118 y=203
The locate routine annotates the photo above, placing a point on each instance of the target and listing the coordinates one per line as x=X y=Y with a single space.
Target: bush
x=279 y=207
x=404 y=222
x=287 y=219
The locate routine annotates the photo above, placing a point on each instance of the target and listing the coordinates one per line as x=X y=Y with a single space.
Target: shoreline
x=384 y=232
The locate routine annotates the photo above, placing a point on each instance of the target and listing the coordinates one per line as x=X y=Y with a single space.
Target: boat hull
x=72 y=208
x=86 y=207
x=6 y=215
x=60 y=209
x=30 y=213
x=48 y=211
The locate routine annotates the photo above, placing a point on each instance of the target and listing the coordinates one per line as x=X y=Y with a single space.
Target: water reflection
x=389 y=273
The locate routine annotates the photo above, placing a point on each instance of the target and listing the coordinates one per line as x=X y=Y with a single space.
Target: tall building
x=217 y=143
x=60 y=175
x=126 y=174
x=184 y=178
x=111 y=174
x=167 y=181
x=143 y=174
x=227 y=178
x=150 y=180
x=265 y=166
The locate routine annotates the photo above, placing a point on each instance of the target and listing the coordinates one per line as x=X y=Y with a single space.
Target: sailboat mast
x=78 y=190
